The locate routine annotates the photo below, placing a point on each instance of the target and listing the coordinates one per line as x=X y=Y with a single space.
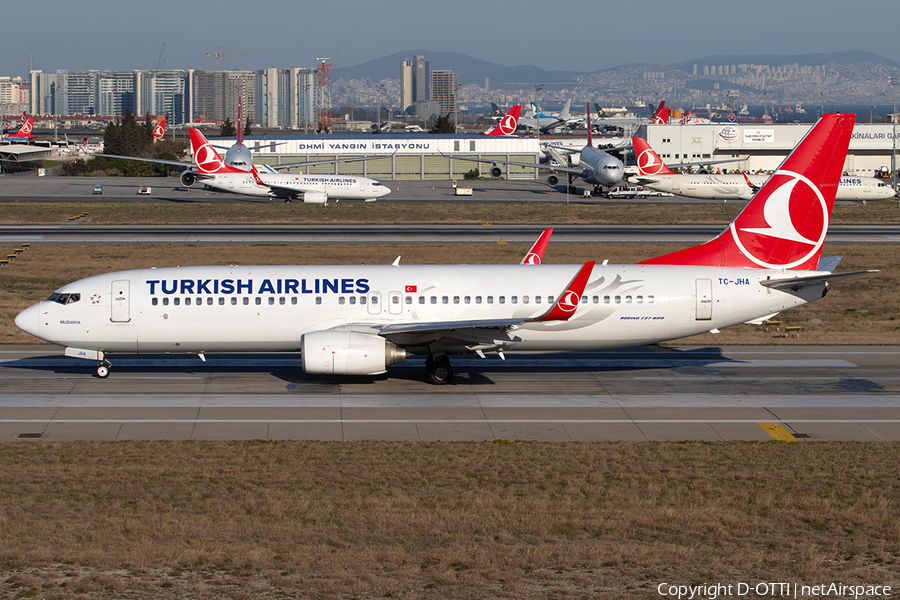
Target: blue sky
x=576 y=35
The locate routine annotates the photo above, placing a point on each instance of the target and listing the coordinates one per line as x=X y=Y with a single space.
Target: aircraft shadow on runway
x=470 y=370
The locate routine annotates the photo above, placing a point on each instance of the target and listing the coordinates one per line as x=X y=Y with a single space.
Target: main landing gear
x=440 y=371
x=103 y=369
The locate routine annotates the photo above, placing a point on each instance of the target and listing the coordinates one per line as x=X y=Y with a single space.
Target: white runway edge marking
x=413 y=421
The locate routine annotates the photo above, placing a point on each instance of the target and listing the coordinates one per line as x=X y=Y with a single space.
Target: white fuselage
x=601 y=168
x=268 y=308
x=335 y=186
x=734 y=187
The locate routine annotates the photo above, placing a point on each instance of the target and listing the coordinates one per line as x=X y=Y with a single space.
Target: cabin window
x=549 y=299
x=352 y=299
x=246 y=300
x=477 y=299
x=524 y=299
x=445 y=300
x=537 y=299
x=639 y=299
x=618 y=299
x=595 y=299
x=293 y=300
x=409 y=299
x=490 y=299
x=258 y=301
x=154 y=301
x=395 y=299
x=187 y=301
x=649 y=299
x=606 y=299
x=234 y=301
x=627 y=299
x=421 y=299
x=209 y=301
x=372 y=300
x=165 y=301
x=513 y=299
x=468 y=299
x=455 y=299
x=502 y=299
x=434 y=299
x=176 y=301
x=221 y=301
x=318 y=299
x=341 y=300
x=281 y=301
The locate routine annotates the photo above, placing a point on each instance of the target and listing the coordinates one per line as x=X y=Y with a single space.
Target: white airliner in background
x=656 y=175
x=360 y=319
x=245 y=179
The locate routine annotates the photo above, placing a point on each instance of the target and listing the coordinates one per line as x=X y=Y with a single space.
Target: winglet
x=536 y=255
x=256 y=176
x=567 y=302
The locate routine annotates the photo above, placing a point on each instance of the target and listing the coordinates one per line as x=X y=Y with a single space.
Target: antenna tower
x=323 y=95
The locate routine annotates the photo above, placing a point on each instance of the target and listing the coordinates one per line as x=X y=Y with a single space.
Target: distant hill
x=855 y=56
x=470 y=70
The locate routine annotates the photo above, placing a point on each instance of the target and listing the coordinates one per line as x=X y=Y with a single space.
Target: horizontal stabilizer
x=796 y=283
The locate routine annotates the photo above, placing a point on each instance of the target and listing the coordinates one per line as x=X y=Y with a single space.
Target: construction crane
x=218 y=54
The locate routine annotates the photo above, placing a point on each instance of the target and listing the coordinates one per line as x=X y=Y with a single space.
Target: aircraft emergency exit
x=360 y=319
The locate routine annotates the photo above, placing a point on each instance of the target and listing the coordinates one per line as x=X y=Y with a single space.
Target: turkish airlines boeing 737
x=360 y=319
x=656 y=175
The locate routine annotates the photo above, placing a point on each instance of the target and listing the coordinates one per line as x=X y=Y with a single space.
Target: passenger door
x=121 y=310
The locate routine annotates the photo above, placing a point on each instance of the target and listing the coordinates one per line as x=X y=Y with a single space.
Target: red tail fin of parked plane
x=24 y=132
x=784 y=225
x=648 y=161
x=661 y=110
x=160 y=130
x=205 y=156
x=509 y=122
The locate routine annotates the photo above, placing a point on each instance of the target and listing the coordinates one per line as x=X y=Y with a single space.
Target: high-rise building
x=445 y=91
x=284 y=97
x=421 y=79
x=214 y=95
x=160 y=93
x=113 y=93
x=406 y=84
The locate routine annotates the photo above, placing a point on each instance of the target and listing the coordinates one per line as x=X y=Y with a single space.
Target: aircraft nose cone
x=29 y=320
x=383 y=190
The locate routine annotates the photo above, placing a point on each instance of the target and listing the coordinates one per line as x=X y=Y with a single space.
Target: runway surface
x=684 y=393
x=400 y=234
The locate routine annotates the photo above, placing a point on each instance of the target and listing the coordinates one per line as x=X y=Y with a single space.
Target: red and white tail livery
x=207 y=159
x=509 y=122
x=661 y=116
x=648 y=161
x=160 y=130
x=24 y=132
x=784 y=225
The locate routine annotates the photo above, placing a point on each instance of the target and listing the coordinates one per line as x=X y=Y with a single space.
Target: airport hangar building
x=423 y=156
x=765 y=144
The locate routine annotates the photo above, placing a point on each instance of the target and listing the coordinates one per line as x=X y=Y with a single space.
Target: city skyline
x=99 y=34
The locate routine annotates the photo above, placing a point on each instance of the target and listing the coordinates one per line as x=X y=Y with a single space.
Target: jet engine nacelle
x=188 y=179
x=552 y=180
x=340 y=352
x=315 y=197
x=496 y=172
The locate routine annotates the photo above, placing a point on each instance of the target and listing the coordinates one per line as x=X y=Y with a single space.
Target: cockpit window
x=64 y=298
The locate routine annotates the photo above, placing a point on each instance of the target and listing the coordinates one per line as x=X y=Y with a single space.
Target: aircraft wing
x=701 y=163
x=536 y=165
x=796 y=283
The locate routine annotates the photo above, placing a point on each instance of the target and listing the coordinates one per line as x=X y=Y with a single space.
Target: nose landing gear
x=103 y=369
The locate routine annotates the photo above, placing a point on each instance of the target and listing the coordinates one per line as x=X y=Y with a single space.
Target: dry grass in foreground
x=438 y=520
x=882 y=212
x=861 y=310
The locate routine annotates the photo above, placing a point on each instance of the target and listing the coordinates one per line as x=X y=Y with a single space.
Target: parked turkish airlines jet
x=509 y=122
x=360 y=319
x=656 y=175
x=594 y=165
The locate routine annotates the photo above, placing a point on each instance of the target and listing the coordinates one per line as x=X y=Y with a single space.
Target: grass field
x=860 y=310
x=438 y=520
x=882 y=212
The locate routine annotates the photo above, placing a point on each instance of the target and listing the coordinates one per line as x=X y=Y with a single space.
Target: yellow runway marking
x=778 y=432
